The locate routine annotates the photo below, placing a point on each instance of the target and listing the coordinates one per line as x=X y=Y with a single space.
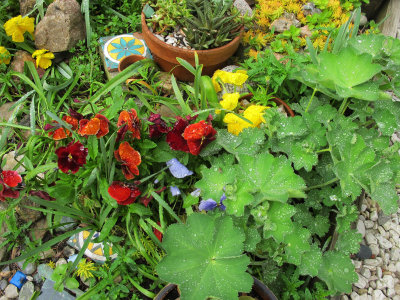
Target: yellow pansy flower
x=237 y=78
x=255 y=113
x=235 y=124
x=230 y=101
x=16 y=27
x=5 y=56
x=43 y=59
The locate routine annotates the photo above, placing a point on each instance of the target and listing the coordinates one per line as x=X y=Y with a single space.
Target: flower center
x=70 y=158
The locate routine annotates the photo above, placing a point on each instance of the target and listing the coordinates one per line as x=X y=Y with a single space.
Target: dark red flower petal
x=175 y=137
x=71 y=157
x=42 y=194
x=6 y=192
x=158 y=127
x=11 y=178
x=146 y=200
x=75 y=114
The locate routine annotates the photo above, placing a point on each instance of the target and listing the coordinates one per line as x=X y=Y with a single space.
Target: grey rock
x=11 y=291
x=27 y=214
x=12 y=160
x=374 y=248
x=44 y=271
x=378 y=295
x=61 y=261
x=384 y=243
x=3 y=298
x=395 y=254
x=344 y=297
x=382 y=218
x=380 y=284
x=68 y=251
x=6 y=111
x=373 y=216
x=48 y=292
x=243 y=7
x=26 y=291
x=29 y=268
x=3 y=284
x=46 y=254
x=364 y=253
x=39 y=230
x=379 y=272
x=388 y=280
x=62 y=27
x=26 y=6
x=354 y=296
x=284 y=23
x=357 y=264
x=29 y=278
x=362 y=282
x=361 y=228
x=37 y=278
x=69 y=224
x=363 y=20
x=373 y=262
x=370 y=238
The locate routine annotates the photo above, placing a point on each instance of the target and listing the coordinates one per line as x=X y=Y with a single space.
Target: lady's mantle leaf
x=205 y=258
x=273 y=175
x=337 y=271
x=349 y=242
x=311 y=261
x=297 y=243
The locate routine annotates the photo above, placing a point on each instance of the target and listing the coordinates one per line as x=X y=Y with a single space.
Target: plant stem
x=141 y=289
x=324 y=150
x=309 y=102
x=322 y=184
x=343 y=106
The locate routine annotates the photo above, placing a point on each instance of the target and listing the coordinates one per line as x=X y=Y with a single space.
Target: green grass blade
x=166 y=206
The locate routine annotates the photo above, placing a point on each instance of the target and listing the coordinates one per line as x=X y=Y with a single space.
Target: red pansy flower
x=131 y=121
x=157 y=233
x=61 y=133
x=42 y=194
x=75 y=114
x=96 y=126
x=72 y=157
x=158 y=127
x=124 y=193
x=199 y=135
x=9 y=179
x=130 y=159
x=175 y=137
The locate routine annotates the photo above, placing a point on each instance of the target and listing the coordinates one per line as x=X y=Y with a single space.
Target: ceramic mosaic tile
x=95 y=251
x=115 y=48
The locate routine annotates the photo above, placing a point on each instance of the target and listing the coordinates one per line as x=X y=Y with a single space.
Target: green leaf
x=63 y=192
x=387 y=116
x=71 y=283
x=140 y=209
x=311 y=261
x=279 y=223
x=386 y=195
x=41 y=169
x=273 y=176
x=356 y=159
x=292 y=127
x=303 y=157
x=340 y=68
x=337 y=271
x=104 y=193
x=237 y=200
x=349 y=242
x=147 y=144
x=93 y=146
x=297 y=242
x=205 y=258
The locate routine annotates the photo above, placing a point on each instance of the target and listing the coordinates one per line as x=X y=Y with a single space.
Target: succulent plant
x=211 y=24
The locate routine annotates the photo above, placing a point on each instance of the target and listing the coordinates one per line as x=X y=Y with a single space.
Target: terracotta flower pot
x=128 y=60
x=259 y=288
x=165 y=55
x=278 y=101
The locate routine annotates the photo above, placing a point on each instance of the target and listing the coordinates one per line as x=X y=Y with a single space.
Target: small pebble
x=11 y=291
x=61 y=261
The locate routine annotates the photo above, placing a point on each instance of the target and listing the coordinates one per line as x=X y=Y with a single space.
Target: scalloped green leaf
x=274 y=176
x=311 y=261
x=297 y=242
x=205 y=258
x=337 y=271
x=279 y=221
x=349 y=242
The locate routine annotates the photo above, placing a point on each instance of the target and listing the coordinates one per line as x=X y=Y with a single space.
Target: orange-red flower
x=198 y=135
x=131 y=121
x=123 y=193
x=96 y=126
x=61 y=133
x=130 y=159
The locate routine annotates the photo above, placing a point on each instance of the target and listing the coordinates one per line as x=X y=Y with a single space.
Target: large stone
x=61 y=28
x=26 y=291
x=243 y=7
x=6 y=111
x=27 y=214
x=39 y=230
x=26 y=6
x=48 y=292
x=11 y=291
x=12 y=160
x=284 y=22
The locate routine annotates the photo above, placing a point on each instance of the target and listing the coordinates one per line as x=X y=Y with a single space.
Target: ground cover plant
x=221 y=190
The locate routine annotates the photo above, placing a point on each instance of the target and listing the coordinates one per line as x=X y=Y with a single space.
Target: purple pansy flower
x=177 y=169
x=175 y=191
x=196 y=193
x=210 y=204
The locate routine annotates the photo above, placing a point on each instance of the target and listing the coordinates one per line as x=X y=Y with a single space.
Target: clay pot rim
x=275 y=99
x=140 y=57
x=174 y=48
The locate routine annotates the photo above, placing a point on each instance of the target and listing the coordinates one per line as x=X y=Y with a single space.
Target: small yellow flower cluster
x=5 y=56
x=85 y=268
x=252 y=116
x=16 y=28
